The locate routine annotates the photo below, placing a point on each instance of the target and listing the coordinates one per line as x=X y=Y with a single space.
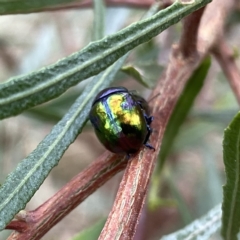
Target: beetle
x=121 y=120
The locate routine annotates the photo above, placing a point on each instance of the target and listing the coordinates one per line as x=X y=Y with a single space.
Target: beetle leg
x=149 y=146
x=128 y=156
x=148 y=119
x=147 y=137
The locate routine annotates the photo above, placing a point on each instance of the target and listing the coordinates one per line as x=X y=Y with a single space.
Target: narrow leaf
x=28 y=6
x=135 y=73
x=201 y=228
x=231 y=191
x=24 y=181
x=23 y=92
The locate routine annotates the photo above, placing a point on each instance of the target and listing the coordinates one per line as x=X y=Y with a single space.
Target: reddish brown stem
x=19 y=226
x=188 y=41
x=224 y=56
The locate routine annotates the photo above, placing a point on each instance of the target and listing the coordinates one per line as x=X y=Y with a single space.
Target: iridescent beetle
x=121 y=120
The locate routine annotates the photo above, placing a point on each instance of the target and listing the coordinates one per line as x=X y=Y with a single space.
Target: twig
x=190 y=31
x=224 y=56
x=19 y=226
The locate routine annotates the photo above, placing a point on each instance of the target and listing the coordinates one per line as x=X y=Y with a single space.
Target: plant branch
x=17 y=225
x=123 y=218
x=225 y=57
x=188 y=41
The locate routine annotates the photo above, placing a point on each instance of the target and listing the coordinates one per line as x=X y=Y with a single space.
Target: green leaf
x=25 y=180
x=99 y=19
x=201 y=228
x=231 y=191
x=135 y=73
x=91 y=233
x=182 y=108
x=27 y=6
x=23 y=92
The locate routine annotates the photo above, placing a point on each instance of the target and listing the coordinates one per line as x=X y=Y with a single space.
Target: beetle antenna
x=154 y=97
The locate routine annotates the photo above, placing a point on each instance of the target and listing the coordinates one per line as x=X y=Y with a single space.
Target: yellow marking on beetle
x=114 y=103
x=126 y=116
x=103 y=116
x=101 y=111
